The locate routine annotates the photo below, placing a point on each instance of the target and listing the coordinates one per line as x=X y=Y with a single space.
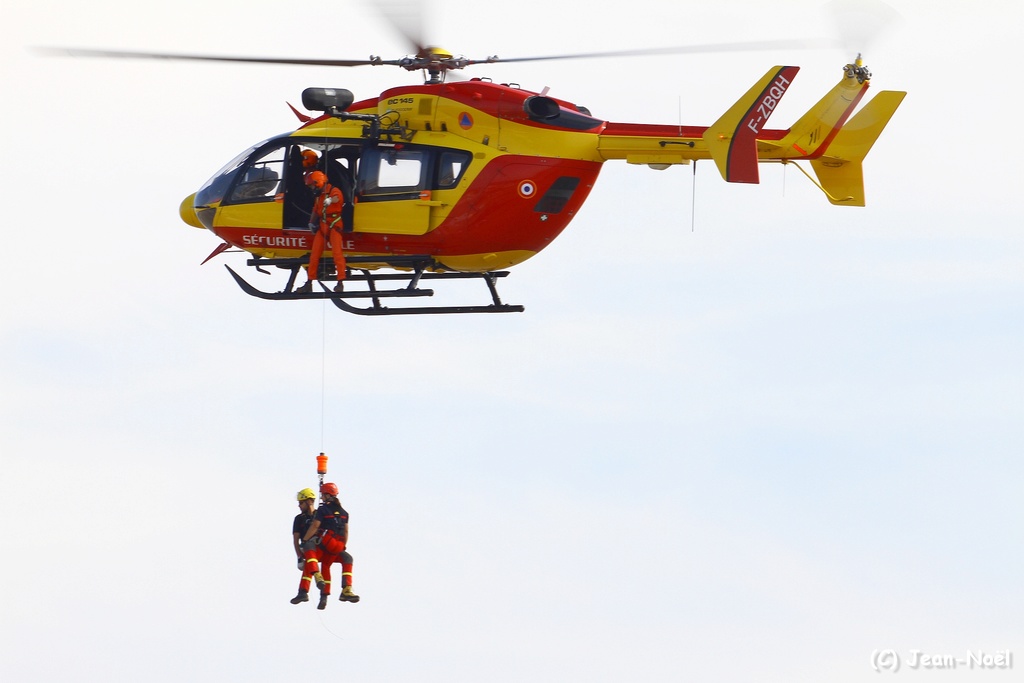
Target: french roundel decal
x=527 y=189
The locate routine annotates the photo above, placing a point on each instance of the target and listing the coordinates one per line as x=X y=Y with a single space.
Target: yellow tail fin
x=732 y=139
x=839 y=168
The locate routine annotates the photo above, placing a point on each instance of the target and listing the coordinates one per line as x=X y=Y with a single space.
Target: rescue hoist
x=321 y=470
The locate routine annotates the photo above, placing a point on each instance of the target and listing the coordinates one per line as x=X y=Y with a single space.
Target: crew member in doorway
x=331 y=523
x=307 y=557
x=309 y=161
x=326 y=221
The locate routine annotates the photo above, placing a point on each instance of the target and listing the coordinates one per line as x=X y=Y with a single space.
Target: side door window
x=389 y=186
x=450 y=167
x=389 y=173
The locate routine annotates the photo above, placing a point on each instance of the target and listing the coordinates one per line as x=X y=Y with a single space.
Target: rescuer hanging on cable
x=325 y=540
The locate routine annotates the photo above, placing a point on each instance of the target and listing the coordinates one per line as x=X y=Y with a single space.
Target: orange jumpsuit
x=311 y=567
x=330 y=231
x=330 y=549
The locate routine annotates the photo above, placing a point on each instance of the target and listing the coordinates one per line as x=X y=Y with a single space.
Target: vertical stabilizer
x=732 y=139
x=839 y=170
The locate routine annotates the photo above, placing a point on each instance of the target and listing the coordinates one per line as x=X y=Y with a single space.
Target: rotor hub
x=857 y=70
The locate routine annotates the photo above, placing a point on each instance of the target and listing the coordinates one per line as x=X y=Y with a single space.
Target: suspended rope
x=321 y=460
x=327 y=628
x=323 y=371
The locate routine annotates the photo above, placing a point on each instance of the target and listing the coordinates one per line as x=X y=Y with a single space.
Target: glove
x=313 y=227
x=302 y=563
x=328 y=201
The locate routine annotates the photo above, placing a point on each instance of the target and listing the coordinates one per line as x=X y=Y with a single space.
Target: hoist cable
x=323 y=371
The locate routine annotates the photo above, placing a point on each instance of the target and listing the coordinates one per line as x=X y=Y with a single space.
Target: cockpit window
x=261 y=179
x=213 y=190
x=273 y=170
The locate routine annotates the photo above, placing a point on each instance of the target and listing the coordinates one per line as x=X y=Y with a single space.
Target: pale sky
x=738 y=434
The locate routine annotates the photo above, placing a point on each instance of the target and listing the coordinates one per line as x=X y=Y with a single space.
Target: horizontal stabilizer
x=732 y=139
x=839 y=170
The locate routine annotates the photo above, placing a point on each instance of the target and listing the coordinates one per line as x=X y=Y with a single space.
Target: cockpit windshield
x=214 y=189
x=261 y=178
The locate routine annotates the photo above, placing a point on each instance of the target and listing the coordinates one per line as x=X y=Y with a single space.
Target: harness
x=323 y=211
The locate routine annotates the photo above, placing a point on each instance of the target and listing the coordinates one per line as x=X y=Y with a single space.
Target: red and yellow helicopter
x=463 y=179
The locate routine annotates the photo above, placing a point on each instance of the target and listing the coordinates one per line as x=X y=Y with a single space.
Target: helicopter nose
x=187 y=211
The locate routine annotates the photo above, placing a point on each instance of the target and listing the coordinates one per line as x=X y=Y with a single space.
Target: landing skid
x=372 y=294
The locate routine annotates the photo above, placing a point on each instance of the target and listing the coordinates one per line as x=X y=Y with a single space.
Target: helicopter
x=463 y=179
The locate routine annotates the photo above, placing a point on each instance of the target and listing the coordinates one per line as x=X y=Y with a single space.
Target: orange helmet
x=309 y=158
x=329 y=488
x=316 y=180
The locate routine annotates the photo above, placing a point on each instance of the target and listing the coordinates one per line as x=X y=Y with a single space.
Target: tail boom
x=825 y=135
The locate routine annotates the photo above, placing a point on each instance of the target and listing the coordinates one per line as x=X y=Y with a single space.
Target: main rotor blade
x=406 y=17
x=681 y=49
x=116 y=54
x=686 y=49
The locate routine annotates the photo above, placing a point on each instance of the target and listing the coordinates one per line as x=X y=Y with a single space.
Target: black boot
x=301 y=596
x=323 y=601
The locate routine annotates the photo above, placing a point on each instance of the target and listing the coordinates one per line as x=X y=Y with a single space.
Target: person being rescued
x=326 y=221
x=307 y=507
x=325 y=540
